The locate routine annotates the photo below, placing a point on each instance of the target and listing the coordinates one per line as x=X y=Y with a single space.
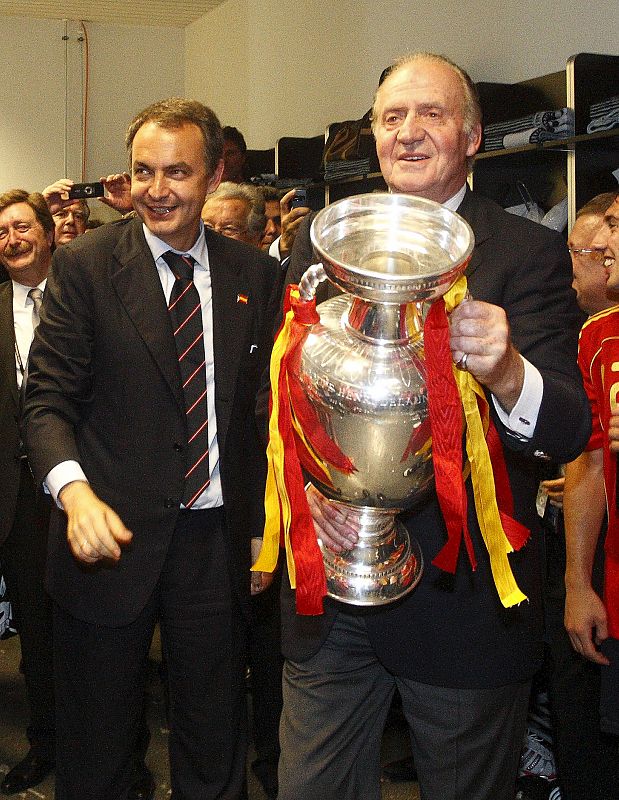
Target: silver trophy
x=362 y=370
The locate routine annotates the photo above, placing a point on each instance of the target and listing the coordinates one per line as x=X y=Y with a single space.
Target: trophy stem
x=385 y=564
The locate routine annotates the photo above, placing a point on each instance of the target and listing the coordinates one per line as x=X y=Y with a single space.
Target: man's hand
x=585 y=622
x=613 y=432
x=94 y=530
x=554 y=490
x=481 y=331
x=118 y=188
x=57 y=195
x=259 y=580
x=290 y=223
x=332 y=524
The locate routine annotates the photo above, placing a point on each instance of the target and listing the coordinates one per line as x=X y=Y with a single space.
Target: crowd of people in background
x=129 y=502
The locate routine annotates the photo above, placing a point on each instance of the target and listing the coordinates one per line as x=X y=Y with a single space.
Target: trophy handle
x=311 y=280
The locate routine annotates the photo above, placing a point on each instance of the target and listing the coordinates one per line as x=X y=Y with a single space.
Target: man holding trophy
x=460 y=654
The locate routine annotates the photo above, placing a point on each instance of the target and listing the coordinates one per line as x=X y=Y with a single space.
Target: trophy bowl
x=362 y=370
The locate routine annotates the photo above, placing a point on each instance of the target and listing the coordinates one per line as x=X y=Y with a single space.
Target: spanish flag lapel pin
x=242 y=298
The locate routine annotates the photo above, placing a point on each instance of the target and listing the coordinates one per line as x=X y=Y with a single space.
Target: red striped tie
x=186 y=315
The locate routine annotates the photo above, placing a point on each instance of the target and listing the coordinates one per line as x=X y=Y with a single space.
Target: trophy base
x=385 y=565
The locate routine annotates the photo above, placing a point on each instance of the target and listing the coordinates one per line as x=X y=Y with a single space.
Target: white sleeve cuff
x=60 y=475
x=523 y=417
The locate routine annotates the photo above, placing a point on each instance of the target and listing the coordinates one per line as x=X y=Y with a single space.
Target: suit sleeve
x=60 y=381
x=545 y=321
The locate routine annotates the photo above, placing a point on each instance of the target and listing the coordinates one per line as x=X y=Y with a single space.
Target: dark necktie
x=186 y=315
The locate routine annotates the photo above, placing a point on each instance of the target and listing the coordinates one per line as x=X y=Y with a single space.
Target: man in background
x=70 y=215
x=590 y=278
x=585 y=757
x=235 y=155
x=272 y=212
x=26 y=241
x=235 y=210
x=591 y=490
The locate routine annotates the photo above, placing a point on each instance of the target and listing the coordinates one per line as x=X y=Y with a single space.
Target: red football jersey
x=598 y=359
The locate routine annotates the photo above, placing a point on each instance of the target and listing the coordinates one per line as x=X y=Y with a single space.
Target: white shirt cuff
x=523 y=417
x=60 y=475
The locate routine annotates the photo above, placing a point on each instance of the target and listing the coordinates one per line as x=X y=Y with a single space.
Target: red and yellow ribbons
x=493 y=501
x=288 y=518
x=298 y=441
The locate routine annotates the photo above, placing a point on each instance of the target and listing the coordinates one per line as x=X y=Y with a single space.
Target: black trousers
x=266 y=663
x=23 y=555
x=100 y=677
x=466 y=742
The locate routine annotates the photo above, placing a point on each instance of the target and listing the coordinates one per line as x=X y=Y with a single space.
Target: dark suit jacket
x=9 y=414
x=104 y=389
x=452 y=630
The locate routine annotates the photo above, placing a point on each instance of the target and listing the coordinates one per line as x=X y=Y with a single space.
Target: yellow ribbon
x=276 y=500
x=484 y=492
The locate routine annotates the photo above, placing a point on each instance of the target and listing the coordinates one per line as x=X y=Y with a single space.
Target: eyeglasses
x=227 y=230
x=592 y=252
x=61 y=216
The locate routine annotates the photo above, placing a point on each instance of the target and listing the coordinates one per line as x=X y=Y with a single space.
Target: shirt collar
x=199 y=251
x=20 y=292
x=453 y=204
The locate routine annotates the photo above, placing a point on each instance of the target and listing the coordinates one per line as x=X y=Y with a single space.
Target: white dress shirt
x=23 y=307
x=68 y=471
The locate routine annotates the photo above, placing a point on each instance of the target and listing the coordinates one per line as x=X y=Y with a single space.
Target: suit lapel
x=232 y=313
x=474 y=214
x=136 y=281
x=7 y=341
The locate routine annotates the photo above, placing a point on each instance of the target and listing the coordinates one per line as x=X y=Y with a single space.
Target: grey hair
x=471 y=106
x=256 y=219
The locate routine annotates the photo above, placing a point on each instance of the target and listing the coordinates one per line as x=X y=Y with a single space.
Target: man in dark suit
x=461 y=662
x=26 y=237
x=153 y=529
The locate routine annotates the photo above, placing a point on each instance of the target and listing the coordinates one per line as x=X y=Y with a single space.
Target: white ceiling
x=173 y=13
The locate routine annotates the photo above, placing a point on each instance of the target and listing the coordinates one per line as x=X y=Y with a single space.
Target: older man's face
x=229 y=217
x=25 y=247
x=419 y=128
x=70 y=222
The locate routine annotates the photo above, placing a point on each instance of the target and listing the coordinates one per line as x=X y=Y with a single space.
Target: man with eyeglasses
x=70 y=216
x=592 y=293
x=591 y=618
x=236 y=210
x=585 y=756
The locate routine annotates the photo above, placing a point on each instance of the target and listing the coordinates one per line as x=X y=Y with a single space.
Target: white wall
x=31 y=102
x=130 y=67
x=283 y=67
x=271 y=67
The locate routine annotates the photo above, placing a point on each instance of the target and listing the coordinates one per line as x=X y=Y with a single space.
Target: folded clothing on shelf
x=535 y=128
x=349 y=150
x=604 y=115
